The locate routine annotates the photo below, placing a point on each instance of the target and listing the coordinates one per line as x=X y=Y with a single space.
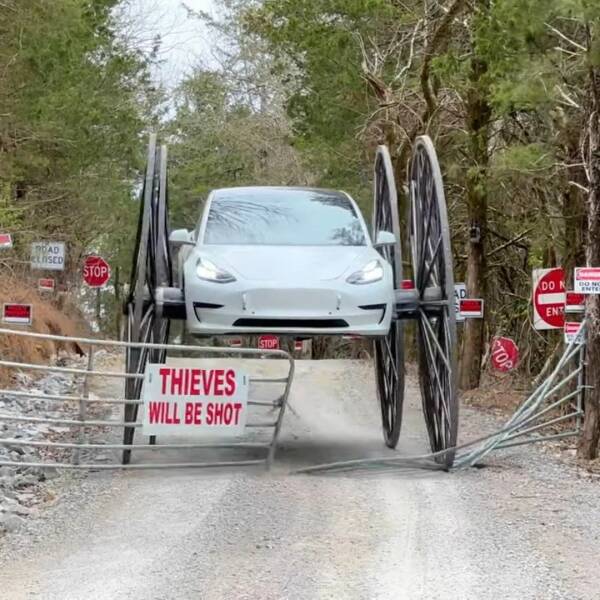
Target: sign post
x=548 y=298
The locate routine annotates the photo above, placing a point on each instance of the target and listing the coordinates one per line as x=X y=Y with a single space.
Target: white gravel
x=524 y=527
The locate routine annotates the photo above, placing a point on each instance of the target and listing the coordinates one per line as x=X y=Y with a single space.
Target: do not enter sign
x=505 y=354
x=96 y=271
x=548 y=298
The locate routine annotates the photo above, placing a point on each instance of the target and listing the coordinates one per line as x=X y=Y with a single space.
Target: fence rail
x=81 y=424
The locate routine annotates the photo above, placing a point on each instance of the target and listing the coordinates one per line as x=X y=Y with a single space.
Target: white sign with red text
x=573 y=332
x=190 y=400
x=587 y=280
x=17 y=314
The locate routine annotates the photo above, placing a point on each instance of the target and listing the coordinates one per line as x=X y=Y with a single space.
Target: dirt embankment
x=51 y=314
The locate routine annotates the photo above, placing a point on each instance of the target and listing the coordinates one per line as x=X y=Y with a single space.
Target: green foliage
x=72 y=108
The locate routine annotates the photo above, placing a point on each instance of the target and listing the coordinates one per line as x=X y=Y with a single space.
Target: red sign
x=17 y=314
x=268 y=342
x=235 y=343
x=505 y=354
x=549 y=299
x=96 y=271
x=471 y=308
x=46 y=284
x=5 y=240
x=574 y=302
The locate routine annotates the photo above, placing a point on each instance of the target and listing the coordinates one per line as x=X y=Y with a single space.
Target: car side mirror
x=181 y=237
x=384 y=238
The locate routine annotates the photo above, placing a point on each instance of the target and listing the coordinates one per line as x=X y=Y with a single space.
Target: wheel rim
x=388 y=350
x=434 y=281
x=152 y=268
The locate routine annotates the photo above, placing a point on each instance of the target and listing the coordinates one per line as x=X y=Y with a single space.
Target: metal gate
x=81 y=425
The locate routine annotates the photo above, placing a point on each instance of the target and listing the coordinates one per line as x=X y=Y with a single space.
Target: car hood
x=289 y=263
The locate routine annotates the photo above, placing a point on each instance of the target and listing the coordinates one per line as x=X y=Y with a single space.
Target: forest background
x=300 y=92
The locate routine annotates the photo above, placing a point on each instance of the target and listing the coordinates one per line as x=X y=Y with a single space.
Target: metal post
x=85 y=394
x=580 y=388
x=284 y=401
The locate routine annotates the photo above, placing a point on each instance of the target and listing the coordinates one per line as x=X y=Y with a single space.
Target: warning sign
x=5 y=241
x=573 y=332
x=587 y=280
x=46 y=284
x=574 y=302
x=48 y=256
x=191 y=400
x=460 y=293
x=471 y=308
x=17 y=314
x=548 y=298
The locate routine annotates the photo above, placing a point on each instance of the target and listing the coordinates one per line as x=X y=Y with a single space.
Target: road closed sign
x=587 y=280
x=548 y=298
x=48 y=256
x=189 y=400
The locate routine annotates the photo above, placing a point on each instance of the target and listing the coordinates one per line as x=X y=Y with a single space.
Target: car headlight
x=207 y=270
x=370 y=273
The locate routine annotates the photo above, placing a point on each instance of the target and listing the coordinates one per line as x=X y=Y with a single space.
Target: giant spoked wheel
x=434 y=283
x=389 y=350
x=151 y=270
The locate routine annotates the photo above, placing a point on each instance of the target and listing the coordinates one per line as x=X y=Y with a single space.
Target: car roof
x=271 y=188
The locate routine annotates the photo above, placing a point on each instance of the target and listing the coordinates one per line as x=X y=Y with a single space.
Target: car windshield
x=283 y=217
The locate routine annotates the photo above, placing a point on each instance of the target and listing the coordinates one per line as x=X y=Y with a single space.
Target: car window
x=283 y=217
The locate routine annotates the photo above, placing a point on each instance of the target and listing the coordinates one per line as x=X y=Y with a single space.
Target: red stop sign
x=549 y=298
x=268 y=342
x=505 y=354
x=96 y=271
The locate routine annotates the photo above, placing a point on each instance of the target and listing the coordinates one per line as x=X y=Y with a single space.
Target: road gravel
x=524 y=527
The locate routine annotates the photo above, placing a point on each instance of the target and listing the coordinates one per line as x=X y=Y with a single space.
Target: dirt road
x=524 y=527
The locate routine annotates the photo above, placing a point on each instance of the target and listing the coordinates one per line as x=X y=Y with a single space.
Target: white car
x=283 y=260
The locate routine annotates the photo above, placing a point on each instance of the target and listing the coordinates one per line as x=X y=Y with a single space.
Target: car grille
x=292 y=323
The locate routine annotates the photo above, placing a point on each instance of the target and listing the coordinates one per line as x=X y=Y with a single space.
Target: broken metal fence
x=86 y=415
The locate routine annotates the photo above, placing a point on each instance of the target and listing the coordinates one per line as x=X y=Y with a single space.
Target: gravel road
x=524 y=527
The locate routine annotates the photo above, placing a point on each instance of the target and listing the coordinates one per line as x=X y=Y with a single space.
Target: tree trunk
x=588 y=446
x=478 y=120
